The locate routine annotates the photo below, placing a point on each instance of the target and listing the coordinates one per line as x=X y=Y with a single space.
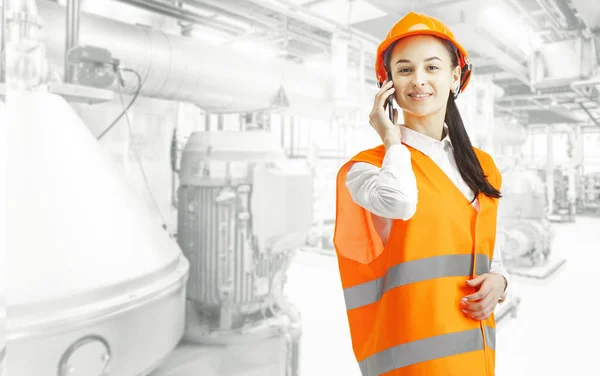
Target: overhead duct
x=552 y=116
x=560 y=63
x=216 y=79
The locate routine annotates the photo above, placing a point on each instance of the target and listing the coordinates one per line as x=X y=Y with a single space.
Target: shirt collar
x=423 y=143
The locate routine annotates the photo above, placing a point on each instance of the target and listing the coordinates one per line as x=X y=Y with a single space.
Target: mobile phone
x=390 y=108
x=389 y=101
x=388 y=104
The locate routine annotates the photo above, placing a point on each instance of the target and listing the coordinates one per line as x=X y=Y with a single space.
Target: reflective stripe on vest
x=427 y=349
x=414 y=271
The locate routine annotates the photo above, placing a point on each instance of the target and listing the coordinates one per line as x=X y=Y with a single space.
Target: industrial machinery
x=562 y=208
x=243 y=207
x=590 y=194
x=108 y=292
x=524 y=231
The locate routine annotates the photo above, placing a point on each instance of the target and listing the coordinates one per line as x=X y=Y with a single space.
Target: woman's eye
x=404 y=70
x=433 y=67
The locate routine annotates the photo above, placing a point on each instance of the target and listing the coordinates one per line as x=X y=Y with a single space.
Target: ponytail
x=466 y=160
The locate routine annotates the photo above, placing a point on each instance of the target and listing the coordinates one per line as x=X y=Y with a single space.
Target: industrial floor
x=556 y=330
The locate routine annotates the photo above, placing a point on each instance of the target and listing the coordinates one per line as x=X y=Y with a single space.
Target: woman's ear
x=456 y=79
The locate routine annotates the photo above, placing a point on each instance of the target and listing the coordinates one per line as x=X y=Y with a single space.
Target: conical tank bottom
x=90 y=267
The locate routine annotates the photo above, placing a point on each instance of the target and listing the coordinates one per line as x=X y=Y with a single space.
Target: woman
x=416 y=219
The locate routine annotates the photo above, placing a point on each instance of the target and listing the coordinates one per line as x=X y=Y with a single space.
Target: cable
x=135 y=96
x=135 y=152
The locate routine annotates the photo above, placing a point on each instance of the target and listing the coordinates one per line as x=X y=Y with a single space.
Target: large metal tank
x=97 y=285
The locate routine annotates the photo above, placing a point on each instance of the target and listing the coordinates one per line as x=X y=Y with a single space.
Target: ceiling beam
x=472 y=40
x=535 y=96
x=589 y=11
x=314 y=19
x=442 y=9
x=309 y=4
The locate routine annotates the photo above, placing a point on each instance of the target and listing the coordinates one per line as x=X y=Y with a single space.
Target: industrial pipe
x=589 y=114
x=567 y=13
x=579 y=84
x=193 y=17
x=178 y=13
x=554 y=23
x=302 y=14
x=216 y=79
x=72 y=35
x=256 y=18
x=217 y=7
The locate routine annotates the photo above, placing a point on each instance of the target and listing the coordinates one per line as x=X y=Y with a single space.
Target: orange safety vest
x=403 y=298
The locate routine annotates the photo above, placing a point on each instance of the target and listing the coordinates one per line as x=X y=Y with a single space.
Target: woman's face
x=423 y=74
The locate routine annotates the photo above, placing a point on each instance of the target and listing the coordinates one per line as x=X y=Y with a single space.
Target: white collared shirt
x=390 y=192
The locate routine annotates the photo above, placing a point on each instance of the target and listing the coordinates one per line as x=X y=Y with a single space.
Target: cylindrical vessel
x=96 y=284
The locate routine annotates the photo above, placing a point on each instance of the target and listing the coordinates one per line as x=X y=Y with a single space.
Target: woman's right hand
x=378 y=118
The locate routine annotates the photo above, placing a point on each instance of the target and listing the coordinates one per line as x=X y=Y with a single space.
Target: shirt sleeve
x=498 y=267
x=389 y=191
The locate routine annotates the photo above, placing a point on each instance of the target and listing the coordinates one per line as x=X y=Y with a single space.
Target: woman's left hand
x=481 y=305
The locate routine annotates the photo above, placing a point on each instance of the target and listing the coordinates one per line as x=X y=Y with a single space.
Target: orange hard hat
x=421 y=24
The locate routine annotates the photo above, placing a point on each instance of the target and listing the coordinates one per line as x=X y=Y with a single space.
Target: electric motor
x=243 y=207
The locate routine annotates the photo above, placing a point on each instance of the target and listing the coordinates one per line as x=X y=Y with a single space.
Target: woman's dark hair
x=466 y=159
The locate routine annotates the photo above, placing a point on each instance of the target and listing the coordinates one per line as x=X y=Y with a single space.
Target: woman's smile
x=419 y=96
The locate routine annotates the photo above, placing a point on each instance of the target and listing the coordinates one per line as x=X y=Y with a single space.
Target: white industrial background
x=290 y=83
